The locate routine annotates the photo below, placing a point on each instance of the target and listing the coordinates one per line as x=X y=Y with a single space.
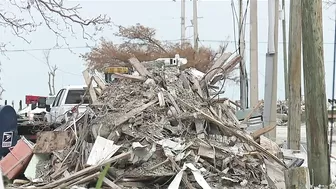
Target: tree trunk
x=315 y=92
x=49 y=84
x=53 y=83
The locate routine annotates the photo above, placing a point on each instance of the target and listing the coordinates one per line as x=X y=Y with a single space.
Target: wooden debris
x=140 y=68
x=111 y=184
x=127 y=76
x=88 y=82
x=256 y=134
x=163 y=125
x=133 y=112
x=199 y=124
x=49 y=141
x=215 y=67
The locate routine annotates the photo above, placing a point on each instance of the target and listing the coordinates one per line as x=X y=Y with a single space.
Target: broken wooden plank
x=139 y=67
x=199 y=125
x=251 y=112
x=99 y=82
x=197 y=87
x=172 y=100
x=133 y=112
x=88 y=82
x=86 y=170
x=215 y=67
x=161 y=99
x=98 y=91
x=227 y=68
x=86 y=179
x=126 y=76
x=111 y=184
x=256 y=134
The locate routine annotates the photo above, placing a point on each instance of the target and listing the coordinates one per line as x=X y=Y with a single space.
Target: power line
x=59 y=69
x=90 y=47
x=43 y=49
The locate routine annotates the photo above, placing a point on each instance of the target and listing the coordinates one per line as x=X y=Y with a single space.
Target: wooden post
x=315 y=92
x=254 y=95
x=294 y=77
x=284 y=38
x=297 y=177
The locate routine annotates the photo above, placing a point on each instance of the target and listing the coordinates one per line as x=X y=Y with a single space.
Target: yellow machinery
x=109 y=71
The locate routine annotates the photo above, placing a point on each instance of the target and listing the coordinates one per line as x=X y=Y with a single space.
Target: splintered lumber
x=242 y=137
x=88 y=82
x=227 y=68
x=99 y=82
x=111 y=184
x=139 y=67
x=86 y=170
x=256 y=134
x=215 y=68
x=251 y=112
x=126 y=76
x=133 y=112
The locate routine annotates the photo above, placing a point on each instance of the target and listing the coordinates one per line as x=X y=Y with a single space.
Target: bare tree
x=51 y=73
x=23 y=17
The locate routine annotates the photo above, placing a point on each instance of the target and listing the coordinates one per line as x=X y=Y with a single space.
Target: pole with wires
x=315 y=92
x=332 y=103
x=183 y=27
x=242 y=65
x=195 y=24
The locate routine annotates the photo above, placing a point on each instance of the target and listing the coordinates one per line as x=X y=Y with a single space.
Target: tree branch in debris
x=140 y=42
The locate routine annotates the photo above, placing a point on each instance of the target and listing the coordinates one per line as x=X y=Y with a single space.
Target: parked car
x=66 y=100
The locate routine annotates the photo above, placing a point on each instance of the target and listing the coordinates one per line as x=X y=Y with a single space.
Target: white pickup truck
x=66 y=99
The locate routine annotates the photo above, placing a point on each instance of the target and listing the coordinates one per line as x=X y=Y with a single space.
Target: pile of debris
x=155 y=130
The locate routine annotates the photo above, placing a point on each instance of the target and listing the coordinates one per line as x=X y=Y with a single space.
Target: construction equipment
x=109 y=71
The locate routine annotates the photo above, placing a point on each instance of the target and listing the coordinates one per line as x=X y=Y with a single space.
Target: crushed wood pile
x=157 y=129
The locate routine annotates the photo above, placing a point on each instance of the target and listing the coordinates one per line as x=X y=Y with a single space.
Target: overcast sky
x=24 y=70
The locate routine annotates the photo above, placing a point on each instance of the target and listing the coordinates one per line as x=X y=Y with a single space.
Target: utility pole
x=183 y=27
x=195 y=24
x=294 y=77
x=243 y=79
x=315 y=92
x=284 y=47
x=270 y=97
x=254 y=90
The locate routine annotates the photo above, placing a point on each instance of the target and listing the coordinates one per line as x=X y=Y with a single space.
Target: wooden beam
x=139 y=67
x=88 y=82
x=217 y=64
